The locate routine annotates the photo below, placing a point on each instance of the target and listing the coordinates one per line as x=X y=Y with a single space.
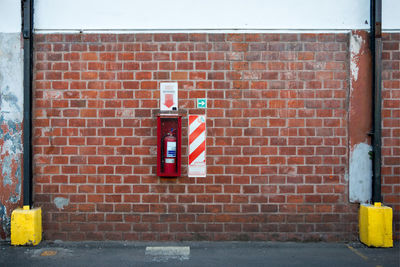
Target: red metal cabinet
x=169 y=126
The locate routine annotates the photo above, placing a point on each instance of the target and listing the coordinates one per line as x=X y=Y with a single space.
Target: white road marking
x=166 y=253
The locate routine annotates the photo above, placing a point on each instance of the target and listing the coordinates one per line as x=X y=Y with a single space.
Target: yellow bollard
x=375 y=224
x=26 y=226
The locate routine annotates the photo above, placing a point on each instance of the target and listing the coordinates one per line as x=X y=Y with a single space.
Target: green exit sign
x=201 y=102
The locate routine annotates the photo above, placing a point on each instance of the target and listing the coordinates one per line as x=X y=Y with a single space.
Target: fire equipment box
x=169 y=127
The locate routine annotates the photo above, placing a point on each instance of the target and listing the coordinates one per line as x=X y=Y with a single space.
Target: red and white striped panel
x=197 y=141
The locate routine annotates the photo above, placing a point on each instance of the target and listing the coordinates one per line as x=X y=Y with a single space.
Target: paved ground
x=203 y=254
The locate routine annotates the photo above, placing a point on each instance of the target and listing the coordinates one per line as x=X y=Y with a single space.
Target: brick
x=143 y=56
x=276 y=135
x=166 y=66
x=306 y=56
x=240 y=47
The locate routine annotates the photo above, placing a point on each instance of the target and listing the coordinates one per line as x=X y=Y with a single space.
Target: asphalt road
x=120 y=254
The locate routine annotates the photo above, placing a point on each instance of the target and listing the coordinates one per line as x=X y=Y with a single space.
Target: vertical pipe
x=27 y=130
x=376 y=49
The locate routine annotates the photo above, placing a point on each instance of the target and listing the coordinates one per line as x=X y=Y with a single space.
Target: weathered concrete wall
x=11 y=110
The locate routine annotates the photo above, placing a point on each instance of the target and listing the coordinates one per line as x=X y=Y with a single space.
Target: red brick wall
x=276 y=146
x=391 y=126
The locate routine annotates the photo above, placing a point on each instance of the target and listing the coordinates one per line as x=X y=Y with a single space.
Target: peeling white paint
x=126 y=113
x=11 y=110
x=360 y=174
x=355 y=47
x=11 y=146
x=52 y=94
x=4 y=219
x=290 y=170
x=61 y=202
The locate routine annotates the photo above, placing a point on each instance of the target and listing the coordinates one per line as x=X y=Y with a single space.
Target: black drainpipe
x=376 y=52
x=27 y=131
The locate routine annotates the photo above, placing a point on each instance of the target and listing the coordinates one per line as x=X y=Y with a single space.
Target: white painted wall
x=391 y=14
x=201 y=14
x=10 y=16
x=153 y=15
x=193 y=14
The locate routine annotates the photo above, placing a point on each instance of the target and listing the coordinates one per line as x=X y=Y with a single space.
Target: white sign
x=168 y=96
x=197 y=146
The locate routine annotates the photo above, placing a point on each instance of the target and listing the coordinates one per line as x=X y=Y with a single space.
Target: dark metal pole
x=376 y=51
x=27 y=131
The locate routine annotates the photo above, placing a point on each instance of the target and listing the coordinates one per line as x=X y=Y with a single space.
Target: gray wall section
x=11 y=115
